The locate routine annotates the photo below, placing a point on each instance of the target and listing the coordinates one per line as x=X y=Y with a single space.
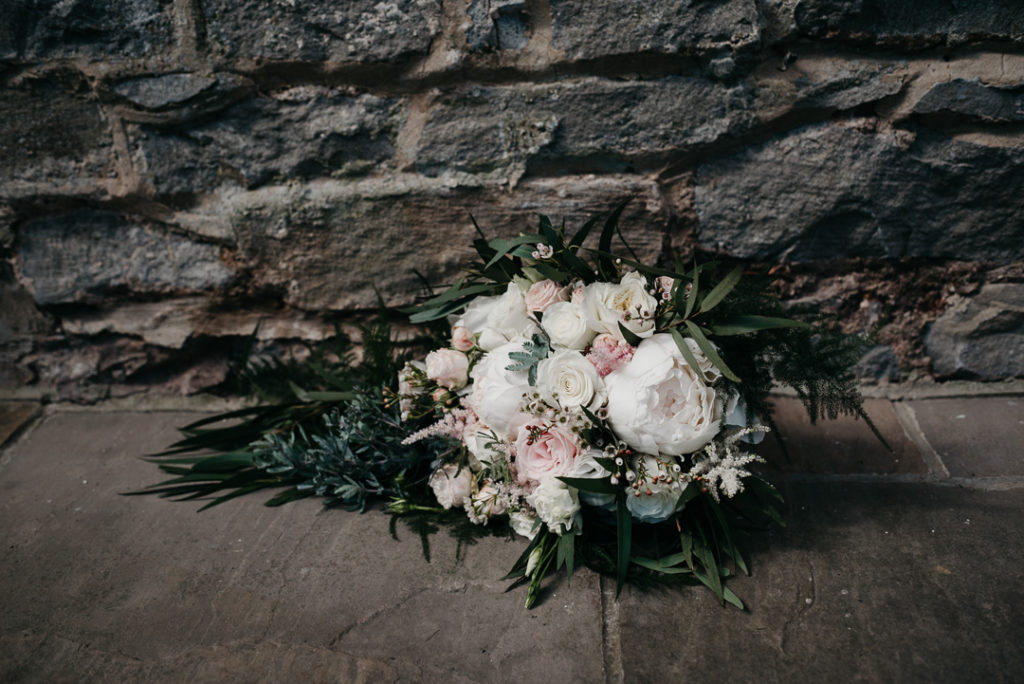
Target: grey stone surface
x=972 y=101
x=160 y=91
x=911 y=23
x=879 y=363
x=825 y=84
x=497 y=25
x=322 y=30
x=53 y=132
x=14 y=415
x=336 y=246
x=975 y=437
x=88 y=254
x=842 y=446
x=826 y=191
x=95 y=29
x=301 y=132
x=867 y=583
x=587 y=29
x=107 y=587
x=981 y=336
x=481 y=129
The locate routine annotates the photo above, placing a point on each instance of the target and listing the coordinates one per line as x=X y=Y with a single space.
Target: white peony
x=556 y=504
x=498 y=320
x=566 y=325
x=451 y=485
x=498 y=392
x=658 y=404
x=567 y=379
x=629 y=303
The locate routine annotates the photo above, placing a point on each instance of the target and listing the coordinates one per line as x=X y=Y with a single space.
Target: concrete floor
x=893 y=567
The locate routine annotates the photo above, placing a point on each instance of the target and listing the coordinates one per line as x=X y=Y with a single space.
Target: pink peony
x=543 y=294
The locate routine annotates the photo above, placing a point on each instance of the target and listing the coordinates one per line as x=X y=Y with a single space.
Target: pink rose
x=543 y=294
x=544 y=452
x=462 y=338
x=448 y=368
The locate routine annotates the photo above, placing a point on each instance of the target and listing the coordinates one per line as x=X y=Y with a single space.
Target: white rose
x=523 y=524
x=497 y=392
x=448 y=367
x=661 y=502
x=658 y=404
x=629 y=303
x=556 y=504
x=567 y=379
x=587 y=468
x=451 y=485
x=498 y=320
x=566 y=325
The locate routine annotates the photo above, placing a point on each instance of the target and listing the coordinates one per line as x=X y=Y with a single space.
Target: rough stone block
x=497 y=25
x=500 y=129
x=302 y=132
x=981 y=336
x=827 y=191
x=91 y=254
x=322 y=30
x=333 y=246
x=911 y=23
x=94 y=29
x=824 y=84
x=588 y=29
x=53 y=135
x=970 y=100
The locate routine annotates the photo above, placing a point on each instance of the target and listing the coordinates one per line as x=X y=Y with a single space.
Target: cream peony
x=568 y=380
x=451 y=485
x=498 y=320
x=448 y=368
x=629 y=303
x=543 y=294
x=566 y=325
x=556 y=504
x=497 y=392
x=657 y=404
x=544 y=453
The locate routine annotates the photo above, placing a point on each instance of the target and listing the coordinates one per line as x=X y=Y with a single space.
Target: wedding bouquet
x=582 y=398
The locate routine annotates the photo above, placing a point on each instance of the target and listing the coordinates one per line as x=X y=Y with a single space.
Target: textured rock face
x=85 y=255
x=34 y=29
x=322 y=30
x=53 y=132
x=981 y=336
x=585 y=30
x=827 y=191
x=173 y=171
x=302 y=132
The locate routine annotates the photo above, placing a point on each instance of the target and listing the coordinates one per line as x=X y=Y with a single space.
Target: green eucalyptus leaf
x=709 y=351
x=721 y=290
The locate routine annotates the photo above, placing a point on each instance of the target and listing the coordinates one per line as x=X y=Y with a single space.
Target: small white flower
x=556 y=504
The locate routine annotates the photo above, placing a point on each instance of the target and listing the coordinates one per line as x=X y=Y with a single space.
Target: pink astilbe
x=608 y=354
x=455 y=424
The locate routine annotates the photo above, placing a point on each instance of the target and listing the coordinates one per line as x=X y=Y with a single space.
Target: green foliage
x=534 y=351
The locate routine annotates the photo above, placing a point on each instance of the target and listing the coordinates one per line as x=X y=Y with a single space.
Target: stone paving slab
x=842 y=446
x=14 y=415
x=880 y=581
x=975 y=437
x=100 y=587
x=867 y=583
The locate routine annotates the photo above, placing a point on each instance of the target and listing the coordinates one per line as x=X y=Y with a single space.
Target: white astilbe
x=720 y=466
x=455 y=424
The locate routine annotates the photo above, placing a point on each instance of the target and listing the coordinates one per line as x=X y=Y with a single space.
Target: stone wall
x=175 y=171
